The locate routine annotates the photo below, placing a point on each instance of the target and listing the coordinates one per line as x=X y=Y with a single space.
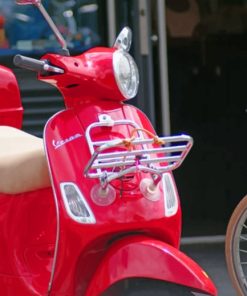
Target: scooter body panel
x=88 y=77
x=11 y=110
x=81 y=247
x=28 y=235
x=143 y=257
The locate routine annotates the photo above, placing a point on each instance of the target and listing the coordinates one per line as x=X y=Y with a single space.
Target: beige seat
x=23 y=165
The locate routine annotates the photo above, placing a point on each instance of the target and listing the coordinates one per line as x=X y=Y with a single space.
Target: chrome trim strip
x=56 y=205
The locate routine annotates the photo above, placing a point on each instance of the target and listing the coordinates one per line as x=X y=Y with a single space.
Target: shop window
x=194 y=18
x=23 y=28
x=224 y=16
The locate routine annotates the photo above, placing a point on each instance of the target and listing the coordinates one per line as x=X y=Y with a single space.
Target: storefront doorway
x=207 y=57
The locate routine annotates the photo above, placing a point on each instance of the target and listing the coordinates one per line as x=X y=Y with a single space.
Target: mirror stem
x=54 y=28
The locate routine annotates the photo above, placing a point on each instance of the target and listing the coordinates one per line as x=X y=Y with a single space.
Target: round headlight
x=126 y=73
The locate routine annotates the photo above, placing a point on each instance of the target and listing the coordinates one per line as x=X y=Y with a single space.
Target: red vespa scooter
x=98 y=212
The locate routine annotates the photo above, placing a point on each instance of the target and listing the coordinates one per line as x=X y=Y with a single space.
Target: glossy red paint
x=28 y=234
x=88 y=77
x=11 y=110
x=44 y=250
x=146 y=257
x=130 y=213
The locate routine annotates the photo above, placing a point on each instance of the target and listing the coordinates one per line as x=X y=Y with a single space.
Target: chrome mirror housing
x=124 y=39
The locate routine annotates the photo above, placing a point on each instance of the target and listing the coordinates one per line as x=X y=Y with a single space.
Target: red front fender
x=145 y=257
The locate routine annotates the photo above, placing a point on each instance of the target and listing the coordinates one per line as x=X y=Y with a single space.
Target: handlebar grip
x=29 y=63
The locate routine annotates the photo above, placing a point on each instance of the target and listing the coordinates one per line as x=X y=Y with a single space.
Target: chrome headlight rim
x=126 y=73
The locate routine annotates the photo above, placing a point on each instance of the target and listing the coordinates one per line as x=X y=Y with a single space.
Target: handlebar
x=35 y=65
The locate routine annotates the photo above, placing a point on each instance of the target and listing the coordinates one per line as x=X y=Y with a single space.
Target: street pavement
x=209 y=253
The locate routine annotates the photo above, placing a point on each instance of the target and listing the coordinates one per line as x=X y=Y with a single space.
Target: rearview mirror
x=26 y=2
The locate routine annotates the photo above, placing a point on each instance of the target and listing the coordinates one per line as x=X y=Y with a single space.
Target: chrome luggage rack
x=107 y=166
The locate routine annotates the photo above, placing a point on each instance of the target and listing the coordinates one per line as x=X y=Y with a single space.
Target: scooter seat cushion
x=23 y=165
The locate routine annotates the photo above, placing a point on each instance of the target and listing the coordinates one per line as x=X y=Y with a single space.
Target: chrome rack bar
x=143 y=154
x=121 y=159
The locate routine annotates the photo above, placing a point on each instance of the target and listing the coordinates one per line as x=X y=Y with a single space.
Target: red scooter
x=96 y=211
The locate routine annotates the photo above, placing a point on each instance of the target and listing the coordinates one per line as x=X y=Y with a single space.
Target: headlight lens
x=126 y=73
